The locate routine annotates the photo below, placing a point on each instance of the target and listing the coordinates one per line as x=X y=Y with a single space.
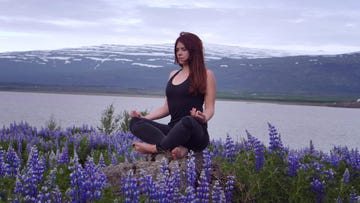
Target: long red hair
x=196 y=62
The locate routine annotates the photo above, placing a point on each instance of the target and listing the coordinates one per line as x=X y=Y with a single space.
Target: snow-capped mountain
x=239 y=71
x=154 y=53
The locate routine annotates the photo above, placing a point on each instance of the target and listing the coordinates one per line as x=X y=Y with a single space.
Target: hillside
x=240 y=73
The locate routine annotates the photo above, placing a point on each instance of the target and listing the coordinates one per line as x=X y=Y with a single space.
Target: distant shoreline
x=341 y=104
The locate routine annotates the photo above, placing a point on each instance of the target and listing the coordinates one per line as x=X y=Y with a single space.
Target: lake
x=297 y=124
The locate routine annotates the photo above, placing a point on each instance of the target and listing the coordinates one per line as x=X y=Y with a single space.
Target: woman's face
x=182 y=54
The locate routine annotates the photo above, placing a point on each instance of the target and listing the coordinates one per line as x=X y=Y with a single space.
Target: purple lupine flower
x=318 y=187
x=216 y=145
x=95 y=180
x=229 y=149
x=114 y=160
x=321 y=169
x=77 y=179
x=38 y=165
x=259 y=150
x=52 y=159
x=355 y=159
x=294 y=164
x=96 y=139
x=318 y=166
x=249 y=145
x=2 y=162
x=164 y=167
x=124 y=142
x=217 y=194
x=305 y=166
x=275 y=139
x=334 y=159
x=344 y=154
x=130 y=188
x=19 y=189
x=28 y=182
x=175 y=182
x=164 y=188
x=259 y=155
x=13 y=163
x=101 y=163
x=50 y=192
x=190 y=195
x=329 y=174
x=153 y=190
x=229 y=188
x=57 y=138
x=340 y=151
x=19 y=147
x=203 y=190
x=311 y=148
x=191 y=170
x=30 y=189
x=240 y=146
x=207 y=164
x=64 y=158
x=110 y=148
x=145 y=183
x=354 y=198
x=346 y=176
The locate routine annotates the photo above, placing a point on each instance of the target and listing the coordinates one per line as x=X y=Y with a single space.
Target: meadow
x=53 y=164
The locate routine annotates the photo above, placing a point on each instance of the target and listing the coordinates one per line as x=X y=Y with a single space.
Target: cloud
x=350 y=25
x=70 y=23
x=262 y=24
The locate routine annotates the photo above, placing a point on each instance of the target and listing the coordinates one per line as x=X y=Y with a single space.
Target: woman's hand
x=198 y=115
x=135 y=114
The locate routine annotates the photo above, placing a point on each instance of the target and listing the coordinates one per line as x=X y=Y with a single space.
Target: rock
x=151 y=164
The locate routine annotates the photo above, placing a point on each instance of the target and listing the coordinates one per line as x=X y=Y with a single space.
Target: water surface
x=297 y=124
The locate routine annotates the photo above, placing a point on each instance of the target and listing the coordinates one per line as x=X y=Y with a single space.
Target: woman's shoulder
x=210 y=73
x=210 y=78
x=172 y=73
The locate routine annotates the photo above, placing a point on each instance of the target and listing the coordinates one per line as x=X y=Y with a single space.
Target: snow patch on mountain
x=147 y=65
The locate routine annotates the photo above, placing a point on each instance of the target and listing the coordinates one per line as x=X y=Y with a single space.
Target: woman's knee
x=134 y=122
x=188 y=121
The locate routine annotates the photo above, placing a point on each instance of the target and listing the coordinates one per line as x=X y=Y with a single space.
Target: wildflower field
x=65 y=165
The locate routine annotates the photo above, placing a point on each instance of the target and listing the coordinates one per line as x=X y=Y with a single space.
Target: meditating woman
x=190 y=102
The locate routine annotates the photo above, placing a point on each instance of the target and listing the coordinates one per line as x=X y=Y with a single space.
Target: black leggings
x=188 y=132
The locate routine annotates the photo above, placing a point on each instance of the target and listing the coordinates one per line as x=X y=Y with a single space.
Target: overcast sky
x=329 y=25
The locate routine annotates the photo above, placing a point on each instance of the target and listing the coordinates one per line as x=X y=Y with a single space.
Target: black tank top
x=180 y=101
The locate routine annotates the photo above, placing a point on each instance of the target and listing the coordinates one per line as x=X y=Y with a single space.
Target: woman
x=187 y=91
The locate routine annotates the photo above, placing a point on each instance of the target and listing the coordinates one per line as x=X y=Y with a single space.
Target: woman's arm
x=210 y=96
x=158 y=113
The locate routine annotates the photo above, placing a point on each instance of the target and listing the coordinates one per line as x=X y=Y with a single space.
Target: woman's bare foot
x=144 y=148
x=179 y=152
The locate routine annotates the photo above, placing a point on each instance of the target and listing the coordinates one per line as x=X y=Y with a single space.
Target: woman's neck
x=186 y=68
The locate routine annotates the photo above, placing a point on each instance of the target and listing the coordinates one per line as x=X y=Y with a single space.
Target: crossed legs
x=185 y=135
